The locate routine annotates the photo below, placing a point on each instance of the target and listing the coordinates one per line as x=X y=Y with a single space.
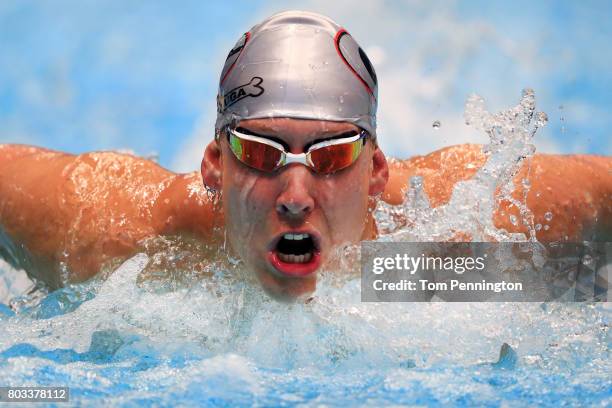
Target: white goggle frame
x=302 y=158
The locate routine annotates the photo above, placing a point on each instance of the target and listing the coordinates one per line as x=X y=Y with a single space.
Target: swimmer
x=293 y=176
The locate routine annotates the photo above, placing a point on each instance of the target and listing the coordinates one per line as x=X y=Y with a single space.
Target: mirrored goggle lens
x=254 y=154
x=333 y=158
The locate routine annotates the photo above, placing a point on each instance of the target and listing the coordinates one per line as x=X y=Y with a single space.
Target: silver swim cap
x=300 y=65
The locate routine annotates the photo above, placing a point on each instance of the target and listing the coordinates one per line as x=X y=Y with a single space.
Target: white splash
x=474 y=201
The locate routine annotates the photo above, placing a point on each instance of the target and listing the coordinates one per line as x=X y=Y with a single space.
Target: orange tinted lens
x=335 y=157
x=255 y=154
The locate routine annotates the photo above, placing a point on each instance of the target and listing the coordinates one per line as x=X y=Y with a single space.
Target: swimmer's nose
x=295 y=200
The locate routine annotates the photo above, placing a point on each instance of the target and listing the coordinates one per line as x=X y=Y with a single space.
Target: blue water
x=120 y=342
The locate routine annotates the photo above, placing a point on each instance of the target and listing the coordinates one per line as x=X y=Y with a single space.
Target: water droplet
x=341 y=99
x=562 y=119
x=548 y=216
x=513 y=220
x=587 y=259
x=528 y=101
x=546 y=227
x=528 y=92
x=541 y=119
x=436 y=125
x=526 y=183
x=416 y=182
x=538 y=227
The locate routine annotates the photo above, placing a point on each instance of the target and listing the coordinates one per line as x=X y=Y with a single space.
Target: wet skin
x=260 y=207
x=88 y=210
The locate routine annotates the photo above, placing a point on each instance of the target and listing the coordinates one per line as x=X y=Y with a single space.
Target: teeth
x=290 y=258
x=296 y=237
x=293 y=258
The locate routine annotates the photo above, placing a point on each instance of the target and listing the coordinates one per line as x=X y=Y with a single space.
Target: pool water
x=115 y=342
x=220 y=340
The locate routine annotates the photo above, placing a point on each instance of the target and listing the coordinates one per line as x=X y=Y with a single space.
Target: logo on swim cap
x=253 y=88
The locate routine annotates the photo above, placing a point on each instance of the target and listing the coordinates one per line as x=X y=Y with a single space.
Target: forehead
x=291 y=130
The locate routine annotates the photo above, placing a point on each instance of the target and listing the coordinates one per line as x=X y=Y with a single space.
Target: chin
x=287 y=289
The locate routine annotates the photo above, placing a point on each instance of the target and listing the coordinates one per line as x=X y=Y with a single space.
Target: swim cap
x=298 y=64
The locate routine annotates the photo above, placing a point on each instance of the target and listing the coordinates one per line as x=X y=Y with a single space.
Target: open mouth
x=295 y=254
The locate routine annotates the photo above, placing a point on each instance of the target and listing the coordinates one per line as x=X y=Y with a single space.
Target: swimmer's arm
x=27 y=208
x=86 y=210
x=575 y=189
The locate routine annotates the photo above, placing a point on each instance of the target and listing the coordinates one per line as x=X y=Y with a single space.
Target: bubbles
x=436 y=125
x=548 y=216
x=513 y=220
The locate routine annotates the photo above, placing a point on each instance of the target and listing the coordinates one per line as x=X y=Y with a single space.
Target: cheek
x=344 y=201
x=246 y=201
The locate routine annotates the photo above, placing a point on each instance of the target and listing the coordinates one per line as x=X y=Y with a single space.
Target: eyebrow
x=342 y=135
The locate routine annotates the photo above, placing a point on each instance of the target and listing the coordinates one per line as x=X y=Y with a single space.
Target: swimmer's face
x=285 y=225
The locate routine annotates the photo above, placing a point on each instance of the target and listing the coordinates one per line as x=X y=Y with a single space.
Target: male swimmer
x=295 y=159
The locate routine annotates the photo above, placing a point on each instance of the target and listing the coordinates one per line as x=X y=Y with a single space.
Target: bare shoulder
x=12 y=151
x=576 y=189
x=11 y=154
x=89 y=177
x=440 y=170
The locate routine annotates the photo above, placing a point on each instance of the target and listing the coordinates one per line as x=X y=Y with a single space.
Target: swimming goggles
x=325 y=157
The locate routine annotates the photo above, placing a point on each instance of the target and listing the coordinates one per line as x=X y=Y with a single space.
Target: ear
x=380 y=173
x=212 y=168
